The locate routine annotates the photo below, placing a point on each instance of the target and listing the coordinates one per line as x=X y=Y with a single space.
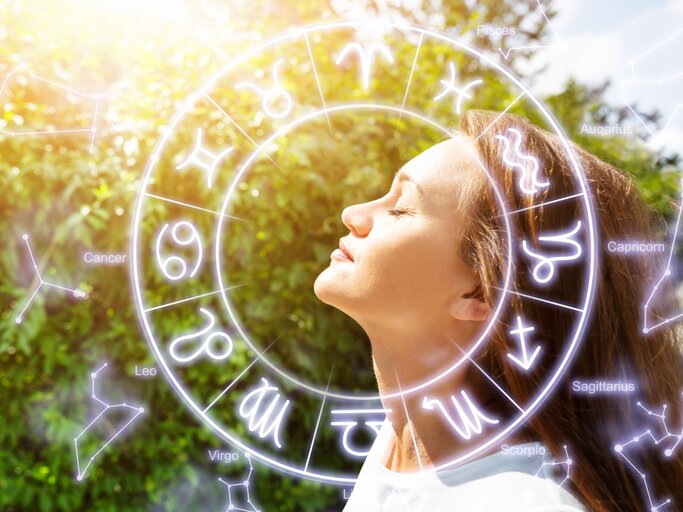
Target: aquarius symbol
x=469 y=424
x=41 y=282
x=544 y=270
x=526 y=361
x=277 y=102
x=349 y=425
x=204 y=159
x=528 y=181
x=108 y=408
x=450 y=87
x=206 y=346
x=261 y=419
x=366 y=58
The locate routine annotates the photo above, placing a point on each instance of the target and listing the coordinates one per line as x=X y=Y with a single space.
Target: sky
x=636 y=44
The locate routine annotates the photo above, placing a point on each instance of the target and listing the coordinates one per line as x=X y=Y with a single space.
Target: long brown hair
x=613 y=346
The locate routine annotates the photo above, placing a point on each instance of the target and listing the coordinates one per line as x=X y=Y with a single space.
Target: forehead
x=442 y=169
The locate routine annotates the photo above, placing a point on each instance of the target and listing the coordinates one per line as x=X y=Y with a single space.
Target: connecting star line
x=137 y=411
x=42 y=282
x=567 y=463
x=246 y=484
x=667 y=274
x=668 y=436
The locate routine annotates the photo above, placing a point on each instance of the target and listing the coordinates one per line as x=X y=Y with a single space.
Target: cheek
x=413 y=266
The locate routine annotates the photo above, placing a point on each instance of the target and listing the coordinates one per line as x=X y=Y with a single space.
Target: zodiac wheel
x=222 y=252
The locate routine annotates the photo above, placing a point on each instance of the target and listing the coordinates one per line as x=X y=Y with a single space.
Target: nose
x=358 y=219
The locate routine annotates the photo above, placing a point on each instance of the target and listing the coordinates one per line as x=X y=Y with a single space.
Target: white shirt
x=497 y=482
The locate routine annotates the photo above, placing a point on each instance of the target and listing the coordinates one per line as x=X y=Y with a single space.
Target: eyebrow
x=402 y=176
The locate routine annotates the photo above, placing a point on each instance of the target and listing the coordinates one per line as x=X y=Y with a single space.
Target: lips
x=345 y=251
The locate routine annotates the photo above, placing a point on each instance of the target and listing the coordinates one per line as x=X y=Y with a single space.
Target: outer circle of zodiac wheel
x=208 y=269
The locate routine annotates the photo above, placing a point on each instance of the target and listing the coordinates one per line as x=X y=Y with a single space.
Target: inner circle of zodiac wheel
x=239 y=210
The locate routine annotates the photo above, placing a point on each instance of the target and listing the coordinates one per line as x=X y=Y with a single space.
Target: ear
x=470 y=306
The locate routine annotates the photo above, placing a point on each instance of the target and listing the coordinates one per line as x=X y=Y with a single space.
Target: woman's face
x=404 y=266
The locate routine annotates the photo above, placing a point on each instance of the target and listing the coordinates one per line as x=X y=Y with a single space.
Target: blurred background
x=104 y=80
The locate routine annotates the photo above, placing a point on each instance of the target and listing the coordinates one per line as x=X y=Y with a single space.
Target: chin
x=329 y=288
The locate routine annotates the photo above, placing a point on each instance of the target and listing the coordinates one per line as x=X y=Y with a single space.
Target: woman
x=420 y=271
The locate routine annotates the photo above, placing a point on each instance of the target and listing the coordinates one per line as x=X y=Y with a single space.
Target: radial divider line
x=488 y=376
x=194 y=297
x=410 y=425
x=188 y=205
x=499 y=116
x=410 y=79
x=317 y=422
x=213 y=402
x=241 y=130
x=317 y=81
x=539 y=299
x=565 y=198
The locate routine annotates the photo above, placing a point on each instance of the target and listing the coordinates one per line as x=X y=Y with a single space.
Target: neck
x=423 y=438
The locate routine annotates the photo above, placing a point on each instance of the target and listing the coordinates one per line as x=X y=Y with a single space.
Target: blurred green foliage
x=71 y=200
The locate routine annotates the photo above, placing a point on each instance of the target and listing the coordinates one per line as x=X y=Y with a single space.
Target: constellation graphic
x=567 y=462
x=668 y=452
x=137 y=411
x=450 y=87
x=638 y=81
x=97 y=98
x=665 y=275
x=246 y=484
x=506 y=53
x=41 y=282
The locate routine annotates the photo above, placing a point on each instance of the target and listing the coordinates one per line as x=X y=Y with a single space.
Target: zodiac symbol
x=528 y=181
x=167 y=265
x=261 y=419
x=526 y=361
x=277 y=102
x=366 y=58
x=544 y=270
x=450 y=87
x=204 y=158
x=469 y=424
x=349 y=425
x=206 y=346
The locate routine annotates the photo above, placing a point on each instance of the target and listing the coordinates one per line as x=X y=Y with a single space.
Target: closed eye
x=398 y=211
